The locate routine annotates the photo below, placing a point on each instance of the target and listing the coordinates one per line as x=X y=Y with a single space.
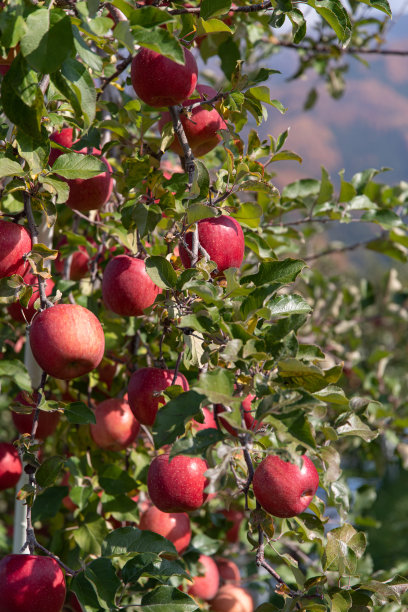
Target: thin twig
x=335 y=250
x=121 y=68
x=45 y=303
x=329 y=49
x=188 y=160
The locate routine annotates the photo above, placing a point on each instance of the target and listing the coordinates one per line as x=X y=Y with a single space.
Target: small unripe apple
x=143 y=391
x=15 y=241
x=232 y=598
x=116 y=428
x=67 y=340
x=223 y=239
x=175 y=526
x=47 y=421
x=202 y=128
x=206 y=585
x=10 y=466
x=160 y=81
x=84 y=194
x=284 y=489
x=178 y=485
x=17 y=312
x=127 y=289
x=30 y=583
x=229 y=571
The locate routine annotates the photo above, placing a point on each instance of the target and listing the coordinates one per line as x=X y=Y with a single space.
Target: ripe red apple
x=229 y=571
x=175 y=526
x=223 y=239
x=116 y=428
x=10 y=466
x=67 y=340
x=178 y=485
x=84 y=194
x=232 y=598
x=79 y=266
x=283 y=489
x=144 y=385
x=208 y=423
x=15 y=241
x=127 y=289
x=206 y=585
x=201 y=129
x=47 y=421
x=159 y=81
x=30 y=583
x=17 y=312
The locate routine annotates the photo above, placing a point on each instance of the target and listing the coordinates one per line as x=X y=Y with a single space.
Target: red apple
x=47 y=421
x=206 y=585
x=284 y=489
x=84 y=194
x=127 y=289
x=229 y=571
x=67 y=340
x=235 y=516
x=175 y=526
x=232 y=598
x=79 y=266
x=19 y=313
x=143 y=389
x=72 y=604
x=202 y=128
x=116 y=428
x=10 y=466
x=30 y=583
x=178 y=485
x=223 y=239
x=159 y=81
x=15 y=241
x=208 y=423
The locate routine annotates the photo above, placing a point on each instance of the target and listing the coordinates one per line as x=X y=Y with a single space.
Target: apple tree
x=208 y=405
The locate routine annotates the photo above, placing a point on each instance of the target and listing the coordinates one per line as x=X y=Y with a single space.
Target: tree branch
x=188 y=160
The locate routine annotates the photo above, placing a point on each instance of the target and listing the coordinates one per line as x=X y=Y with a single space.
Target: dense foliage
x=319 y=347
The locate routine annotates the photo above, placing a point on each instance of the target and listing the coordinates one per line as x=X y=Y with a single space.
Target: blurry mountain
x=366 y=128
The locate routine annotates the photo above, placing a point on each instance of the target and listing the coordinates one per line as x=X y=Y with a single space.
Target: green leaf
x=102 y=575
x=115 y=481
x=210 y=8
x=152 y=566
x=280 y=271
x=89 y=536
x=79 y=413
x=198 y=445
x=166 y=598
x=47 y=504
x=159 y=40
x=336 y=16
x=82 y=86
x=8 y=167
x=354 y=426
x=49 y=471
x=201 y=182
x=161 y=272
x=294 y=374
x=205 y=544
x=55 y=186
x=341 y=601
x=283 y=305
x=249 y=213
x=17 y=371
x=380 y=5
x=298 y=25
x=218 y=386
x=198 y=211
x=344 y=547
x=212 y=26
x=326 y=188
x=48 y=40
x=390 y=590
x=78 y=166
x=128 y=540
x=23 y=102
x=170 y=419
x=34 y=151
x=285 y=155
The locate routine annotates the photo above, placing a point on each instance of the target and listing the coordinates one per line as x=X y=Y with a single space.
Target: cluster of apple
x=67 y=341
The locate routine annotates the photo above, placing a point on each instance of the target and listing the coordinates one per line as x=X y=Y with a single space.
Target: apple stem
x=188 y=161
